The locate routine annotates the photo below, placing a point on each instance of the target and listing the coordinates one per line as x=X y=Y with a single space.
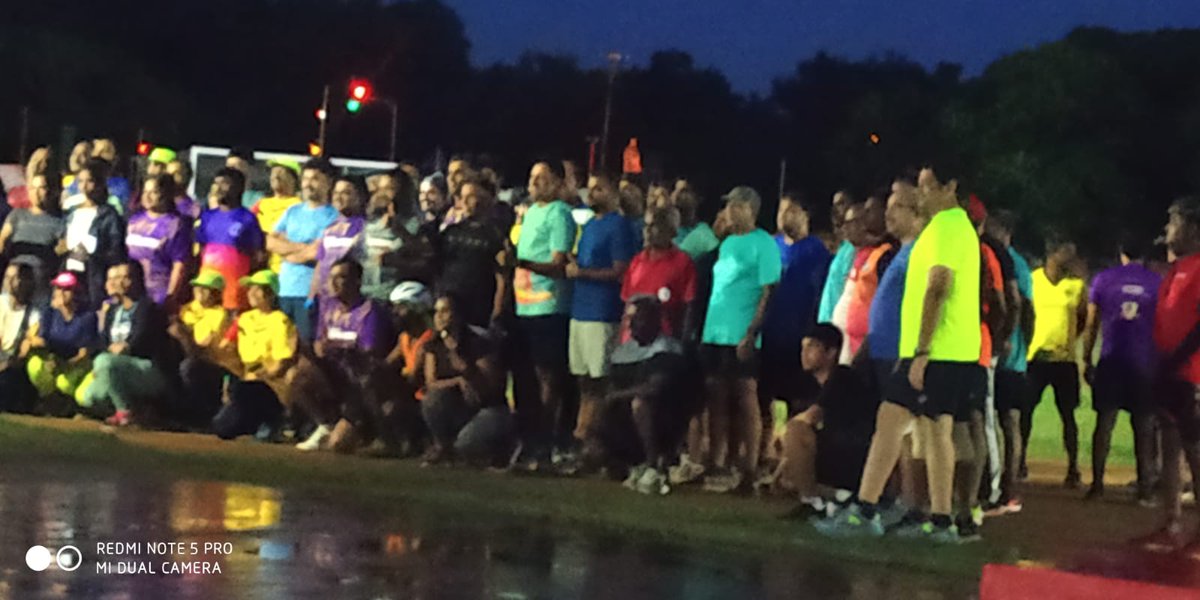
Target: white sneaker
x=635 y=475
x=652 y=482
x=686 y=472
x=315 y=440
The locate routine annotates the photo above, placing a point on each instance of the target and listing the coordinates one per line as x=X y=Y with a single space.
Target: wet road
x=273 y=544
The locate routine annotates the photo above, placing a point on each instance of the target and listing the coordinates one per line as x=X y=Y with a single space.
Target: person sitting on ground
x=827 y=437
x=17 y=316
x=133 y=370
x=199 y=330
x=266 y=346
x=647 y=370
x=464 y=405
x=352 y=343
x=411 y=307
x=61 y=347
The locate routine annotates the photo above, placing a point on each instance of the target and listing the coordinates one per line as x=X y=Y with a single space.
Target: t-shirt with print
x=546 y=229
x=883 y=332
x=745 y=264
x=467 y=257
x=950 y=241
x=230 y=238
x=362 y=327
x=1056 y=328
x=302 y=224
x=1178 y=312
x=381 y=239
x=668 y=275
x=1017 y=360
x=606 y=239
x=207 y=323
x=263 y=338
x=1127 y=297
x=696 y=240
x=158 y=242
x=345 y=238
x=269 y=211
x=122 y=323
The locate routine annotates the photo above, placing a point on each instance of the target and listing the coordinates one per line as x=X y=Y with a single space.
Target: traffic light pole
x=325 y=113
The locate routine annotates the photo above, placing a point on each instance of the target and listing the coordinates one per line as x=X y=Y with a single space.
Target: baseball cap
x=287 y=163
x=209 y=279
x=411 y=292
x=976 y=211
x=65 y=281
x=264 y=278
x=162 y=155
x=744 y=193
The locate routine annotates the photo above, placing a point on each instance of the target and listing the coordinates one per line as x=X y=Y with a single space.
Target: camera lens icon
x=69 y=558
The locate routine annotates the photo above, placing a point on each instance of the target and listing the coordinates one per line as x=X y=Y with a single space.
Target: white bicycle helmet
x=412 y=292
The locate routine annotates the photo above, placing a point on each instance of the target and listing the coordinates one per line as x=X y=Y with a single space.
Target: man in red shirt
x=1177 y=337
x=665 y=272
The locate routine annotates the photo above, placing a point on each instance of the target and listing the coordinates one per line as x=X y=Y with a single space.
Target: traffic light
x=320 y=114
x=314 y=149
x=143 y=148
x=361 y=92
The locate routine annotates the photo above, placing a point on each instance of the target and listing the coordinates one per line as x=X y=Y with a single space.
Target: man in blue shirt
x=793 y=309
x=295 y=240
x=606 y=246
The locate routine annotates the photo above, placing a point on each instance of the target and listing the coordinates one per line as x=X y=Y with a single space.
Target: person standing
x=472 y=258
x=940 y=341
x=843 y=260
x=606 y=246
x=666 y=273
x=34 y=232
x=695 y=238
x=344 y=238
x=1177 y=338
x=230 y=239
x=1121 y=308
x=295 y=239
x=543 y=303
x=285 y=181
x=185 y=205
x=1058 y=303
x=95 y=233
x=242 y=159
x=744 y=277
x=161 y=240
x=394 y=251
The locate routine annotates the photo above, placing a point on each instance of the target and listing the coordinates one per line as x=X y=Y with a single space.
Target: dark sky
x=752 y=41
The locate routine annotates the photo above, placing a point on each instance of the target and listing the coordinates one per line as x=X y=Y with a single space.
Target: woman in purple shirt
x=161 y=239
x=346 y=237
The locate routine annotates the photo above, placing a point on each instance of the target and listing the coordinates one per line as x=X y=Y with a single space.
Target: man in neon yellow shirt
x=285 y=179
x=940 y=344
x=1060 y=309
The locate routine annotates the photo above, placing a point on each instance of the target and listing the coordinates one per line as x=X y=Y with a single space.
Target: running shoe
x=686 y=472
x=1147 y=500
x=121 y=418
x=1167 y=539
x=944 y=535
x=850 y=522
x=912 y=526
x=315 y=439
x=635 y=474
x=968 y=530
x=723 y=481
x=653 y=483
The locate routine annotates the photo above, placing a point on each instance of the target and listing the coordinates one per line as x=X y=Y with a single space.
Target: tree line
x=1089 y=135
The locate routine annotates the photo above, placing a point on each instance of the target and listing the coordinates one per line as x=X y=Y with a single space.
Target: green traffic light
x=353 y=105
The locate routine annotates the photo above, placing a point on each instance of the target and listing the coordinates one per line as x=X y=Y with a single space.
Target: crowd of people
x=884 y=373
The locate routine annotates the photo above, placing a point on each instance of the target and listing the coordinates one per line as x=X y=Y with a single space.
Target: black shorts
x=947 y=385
x=722 y=361
x=1120 y=386
x=545 y=338
x=1178 y=404
x=976 y=401
x=1011 y=393
x=1063 y=377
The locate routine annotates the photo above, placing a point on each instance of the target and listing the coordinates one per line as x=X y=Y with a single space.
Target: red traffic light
x=360 y=89
x=143 y=148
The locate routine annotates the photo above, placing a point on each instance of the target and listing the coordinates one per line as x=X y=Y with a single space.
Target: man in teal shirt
x=543 y=305
x=843 y=261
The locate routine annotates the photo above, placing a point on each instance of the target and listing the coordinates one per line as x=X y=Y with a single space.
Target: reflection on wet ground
x=286 y=546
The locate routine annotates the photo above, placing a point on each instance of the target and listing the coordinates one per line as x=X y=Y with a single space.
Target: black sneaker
x=968 y=531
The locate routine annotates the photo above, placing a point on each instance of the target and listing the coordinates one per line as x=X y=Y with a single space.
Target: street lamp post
x=323 y=117
x=614 y=62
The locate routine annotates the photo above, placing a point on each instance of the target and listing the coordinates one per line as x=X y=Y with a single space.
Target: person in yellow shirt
x=200 y=329
x=285 y=179
x=1060 y=310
